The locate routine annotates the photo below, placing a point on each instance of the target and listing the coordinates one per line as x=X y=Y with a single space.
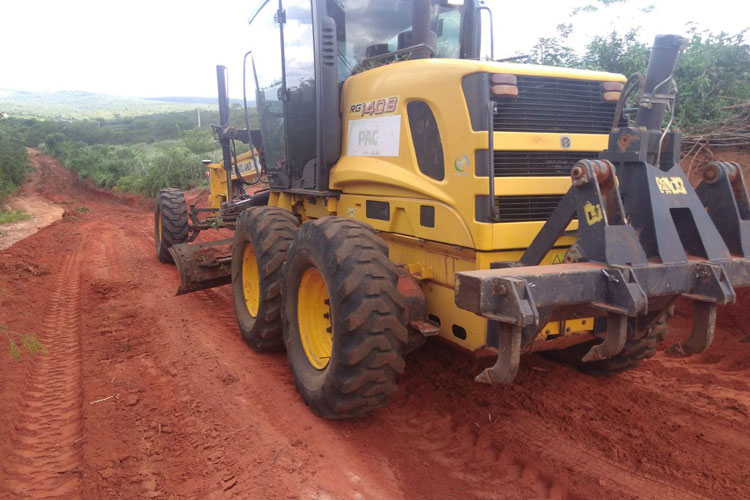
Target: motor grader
x=409 y=189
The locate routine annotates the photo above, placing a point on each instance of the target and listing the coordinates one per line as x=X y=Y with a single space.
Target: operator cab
x=302 y=51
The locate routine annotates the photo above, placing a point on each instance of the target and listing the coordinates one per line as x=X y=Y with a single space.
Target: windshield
x=368 y=28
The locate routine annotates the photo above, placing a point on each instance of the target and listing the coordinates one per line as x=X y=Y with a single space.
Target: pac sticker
x=461 y=165
x=375 y=136
x=670 y=185
x=593 y=213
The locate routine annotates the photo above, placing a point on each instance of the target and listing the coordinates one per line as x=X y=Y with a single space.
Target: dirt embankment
x=29 y=199
x=148 y=395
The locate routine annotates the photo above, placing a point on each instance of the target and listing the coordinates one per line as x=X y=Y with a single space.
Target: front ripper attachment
x=203 y=265
x=645 y=238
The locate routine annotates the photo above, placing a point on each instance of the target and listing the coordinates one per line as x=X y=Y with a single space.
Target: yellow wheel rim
x=250 y=281
x=314 y=318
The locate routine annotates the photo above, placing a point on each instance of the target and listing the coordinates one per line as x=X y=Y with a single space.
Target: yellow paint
x=314 y=318
x=457 y=242
x=443 y=262
x=578 y=325
x=593 y=213
x=404 y=218
x=671 y=185
x=535 y=141
x=398 y=179
x=250 y=281
x=281 y=200
x=552 y=329
x=305 y=206
x=217 y=178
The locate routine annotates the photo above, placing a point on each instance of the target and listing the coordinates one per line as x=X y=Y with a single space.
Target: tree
x=554 y=51
x=617 y=53
x=712 y=75
x=14 y=162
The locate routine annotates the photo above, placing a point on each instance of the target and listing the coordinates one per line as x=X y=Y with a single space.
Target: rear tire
x=171 y=225
x=261 y=241
x=344 y=318
x=632 y=355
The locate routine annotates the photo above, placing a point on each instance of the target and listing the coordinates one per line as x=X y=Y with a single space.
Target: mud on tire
x=171 y=223
x=263 y=235
x=634 y=352
x=367 y=317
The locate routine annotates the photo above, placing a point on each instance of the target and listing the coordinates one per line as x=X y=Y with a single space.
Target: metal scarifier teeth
x=645 y=237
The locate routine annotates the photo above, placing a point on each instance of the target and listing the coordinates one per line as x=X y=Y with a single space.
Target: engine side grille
x=526 y=208
x=538 y=163
x=555 y=105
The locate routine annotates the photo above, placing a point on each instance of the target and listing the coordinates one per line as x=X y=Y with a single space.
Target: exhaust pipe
x=658 y=90
x=226 y=152
x=421 y=34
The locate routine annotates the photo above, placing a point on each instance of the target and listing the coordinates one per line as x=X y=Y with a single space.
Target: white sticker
x=375 y=136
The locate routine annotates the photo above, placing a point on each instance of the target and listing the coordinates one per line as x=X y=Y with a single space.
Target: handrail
x=492 y=31
x=490 y=159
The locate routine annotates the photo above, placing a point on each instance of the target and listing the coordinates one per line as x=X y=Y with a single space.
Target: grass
x=8 y=216
x=18 y=343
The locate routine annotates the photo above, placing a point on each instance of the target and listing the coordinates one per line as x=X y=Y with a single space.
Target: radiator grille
x=555 y=105
x=538 y=163
x=526 y=208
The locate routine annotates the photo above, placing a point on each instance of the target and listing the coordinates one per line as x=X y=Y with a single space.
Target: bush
x=141 y=154
x=713 y=72
x=14 y=162
x=167 y=165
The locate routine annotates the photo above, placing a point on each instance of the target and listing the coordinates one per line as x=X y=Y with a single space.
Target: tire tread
x=370 y=323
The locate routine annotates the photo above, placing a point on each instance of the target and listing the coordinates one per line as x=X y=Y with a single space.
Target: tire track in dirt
x=490 y=469
x=45 y=460
x=540 y=464
x=553 y=447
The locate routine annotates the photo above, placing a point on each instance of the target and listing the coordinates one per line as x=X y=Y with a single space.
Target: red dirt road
x=148 y=395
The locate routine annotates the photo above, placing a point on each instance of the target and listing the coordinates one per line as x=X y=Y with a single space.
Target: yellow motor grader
x=409 y=189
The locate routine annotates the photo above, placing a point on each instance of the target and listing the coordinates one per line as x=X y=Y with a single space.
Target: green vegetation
x=14 y=162
x=140 y=167
x=713 y=74
x=7 y=217
x=141 y=154
x=23 y=342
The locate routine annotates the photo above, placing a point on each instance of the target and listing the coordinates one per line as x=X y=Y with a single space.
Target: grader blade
x=203 y=265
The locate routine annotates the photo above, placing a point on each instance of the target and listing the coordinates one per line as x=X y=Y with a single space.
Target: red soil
x=148 y=395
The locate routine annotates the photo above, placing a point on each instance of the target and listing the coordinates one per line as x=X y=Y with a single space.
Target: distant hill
x=76 y=104
x=196 y=100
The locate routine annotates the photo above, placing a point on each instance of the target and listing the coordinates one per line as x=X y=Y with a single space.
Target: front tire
x=171 y=225
x=261 y=240
x=344 y=318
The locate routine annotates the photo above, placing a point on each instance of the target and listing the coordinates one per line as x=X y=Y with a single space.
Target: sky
x=170 y=48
